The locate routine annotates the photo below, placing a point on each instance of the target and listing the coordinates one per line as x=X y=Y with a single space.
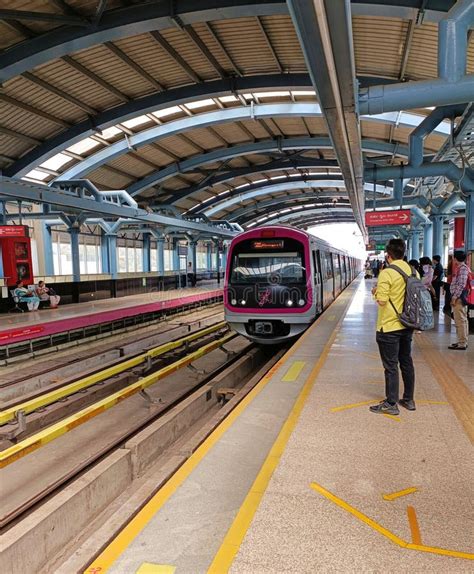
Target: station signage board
x=14 y=231
x=397 y=217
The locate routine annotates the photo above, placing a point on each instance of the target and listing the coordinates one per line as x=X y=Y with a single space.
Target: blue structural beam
x=266 y=146
x=428 y=240
x=146 y=253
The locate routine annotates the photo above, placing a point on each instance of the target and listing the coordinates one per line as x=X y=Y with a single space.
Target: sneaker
x=457 y=347
x=407 y=404
x=453 y=346
x=385 y=408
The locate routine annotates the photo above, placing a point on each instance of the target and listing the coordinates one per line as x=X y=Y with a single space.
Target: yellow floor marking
x=236 y=533
x=384 y=531
x=294 y=371
x=110 y=554
x=432 y=402
x=393 y=417
x=457 y=392
x=399 y=493
x=149 y=568
x=354 y=405
x=331 y=318
x=414 y=526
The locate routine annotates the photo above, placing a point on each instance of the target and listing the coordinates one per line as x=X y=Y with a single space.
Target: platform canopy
x=228 y=109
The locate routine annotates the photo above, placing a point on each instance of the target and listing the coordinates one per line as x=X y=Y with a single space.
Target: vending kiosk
x=15 y=247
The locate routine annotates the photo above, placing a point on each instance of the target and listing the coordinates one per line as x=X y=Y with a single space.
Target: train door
x=318 y=285
x=337 y=274
x=327 y=277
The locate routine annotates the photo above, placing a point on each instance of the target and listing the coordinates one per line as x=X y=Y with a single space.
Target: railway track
x=52 y=455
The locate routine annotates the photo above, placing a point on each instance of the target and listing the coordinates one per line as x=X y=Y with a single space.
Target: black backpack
x=417 y=310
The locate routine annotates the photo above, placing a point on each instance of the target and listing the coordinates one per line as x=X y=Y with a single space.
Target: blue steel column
x=47 y=250
x=176 y=267
x=469 y=230
x=160 y=255
x=438 y=236
x=209 y=256
x=192 y=256
x=76 y=267
x=146 y=255
x=415 y=244
x=112 y=254
x=104 y=254
x=428 y=240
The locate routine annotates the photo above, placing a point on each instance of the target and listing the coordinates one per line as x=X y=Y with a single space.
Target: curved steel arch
x=256 y=211
x=268 y=187
x=151 y=103
x=309 y=213
x=147 y=17
x=241 y=113
x=264 y=146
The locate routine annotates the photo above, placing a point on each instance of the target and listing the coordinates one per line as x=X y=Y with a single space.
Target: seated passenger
x=26 y=296
x=47 y=294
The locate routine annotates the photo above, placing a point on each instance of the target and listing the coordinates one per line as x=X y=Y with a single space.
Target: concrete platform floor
x=7 y=321
x=359 y=456
x=296 y=482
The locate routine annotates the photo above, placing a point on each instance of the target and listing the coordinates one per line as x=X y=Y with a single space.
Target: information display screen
x=268 y=244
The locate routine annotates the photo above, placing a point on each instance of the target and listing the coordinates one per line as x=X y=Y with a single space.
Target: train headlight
x=301 y=302
x=289 y=303
x=233 y=302
x=243 y=302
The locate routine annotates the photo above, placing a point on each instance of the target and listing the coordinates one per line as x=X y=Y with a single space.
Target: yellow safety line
x=393 y=417
x=110 y=554
x=399 y=493
x=384 y=531
x=45 y=436
x=457 y=392
x=237 y=531
x=414 y=526
x=149 y=568
x=53 y=396
x=354 y=405
x=294 y=371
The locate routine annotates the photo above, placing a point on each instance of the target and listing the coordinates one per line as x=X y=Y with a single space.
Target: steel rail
x=48 y=398
x=18 y=451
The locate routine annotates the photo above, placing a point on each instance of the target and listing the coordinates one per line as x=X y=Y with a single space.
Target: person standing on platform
x=191 y=275
x=458 y=284
x=438 y=274
x=393 y=339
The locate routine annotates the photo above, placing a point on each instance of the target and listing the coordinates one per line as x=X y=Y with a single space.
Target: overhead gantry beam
x=324 y=28
x=16 y=190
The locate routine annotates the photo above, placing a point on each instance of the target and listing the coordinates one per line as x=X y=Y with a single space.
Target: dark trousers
x=395 y=349
x=437 y=290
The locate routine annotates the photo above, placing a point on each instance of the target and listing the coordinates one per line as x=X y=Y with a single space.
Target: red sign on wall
x=13 y=231
x=397 y=217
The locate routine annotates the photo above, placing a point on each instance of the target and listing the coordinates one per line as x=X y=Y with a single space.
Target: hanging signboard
x=14 y=231
x=397 y=217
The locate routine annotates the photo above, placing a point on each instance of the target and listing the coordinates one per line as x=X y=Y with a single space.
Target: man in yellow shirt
x=394 y=340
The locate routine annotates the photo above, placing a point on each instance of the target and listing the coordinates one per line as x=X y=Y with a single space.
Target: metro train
x=279 y=279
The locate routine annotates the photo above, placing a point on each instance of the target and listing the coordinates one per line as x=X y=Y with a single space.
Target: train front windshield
x=253 y=262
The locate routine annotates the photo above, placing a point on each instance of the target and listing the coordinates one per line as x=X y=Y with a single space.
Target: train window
x=282 y=267
x=329 y=268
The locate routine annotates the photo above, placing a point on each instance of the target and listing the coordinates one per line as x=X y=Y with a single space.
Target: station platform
x=19 y=327
x=301 y=477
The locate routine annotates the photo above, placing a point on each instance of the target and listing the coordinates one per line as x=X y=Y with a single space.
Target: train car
x=279 y=279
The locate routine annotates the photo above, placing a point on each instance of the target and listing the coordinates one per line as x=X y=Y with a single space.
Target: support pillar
x=76 y=267
x=192 y=255
x=146 y=255
x=112 y=254
x=176 y=267
x=216 y=243
x=160 y=255
x=104 y=254
x=47 y=250
x=415 y=244
x=428 y=240
x=209 y=256
x=438 y=248
x=469 y=225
